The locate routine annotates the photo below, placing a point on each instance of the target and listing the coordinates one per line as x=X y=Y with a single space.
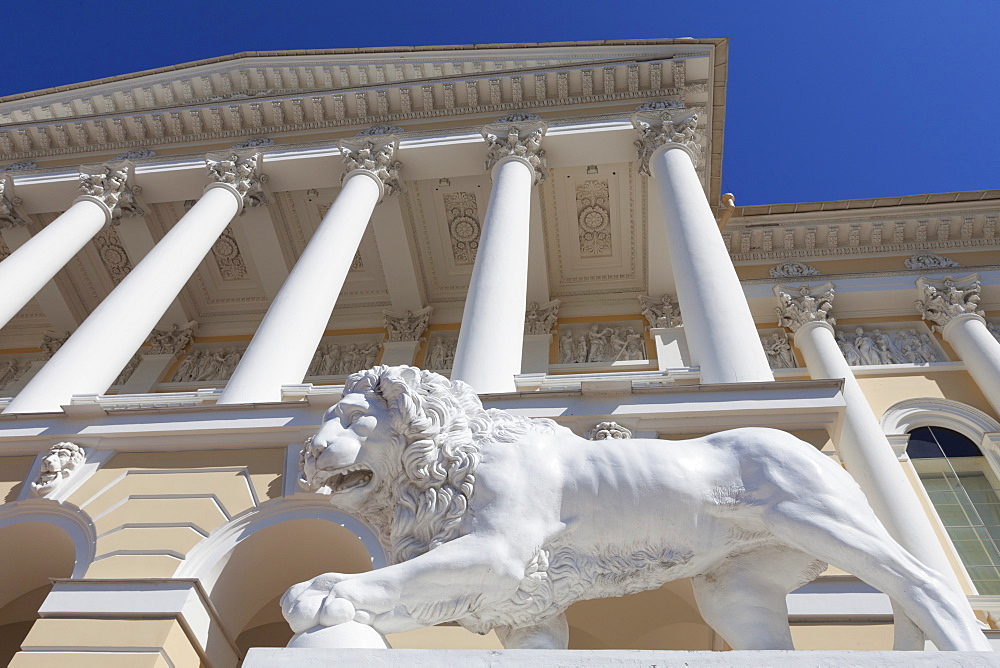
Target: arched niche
x=246 y=565
x=36 y=545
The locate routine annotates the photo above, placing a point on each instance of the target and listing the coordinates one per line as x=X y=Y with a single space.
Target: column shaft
x=488 y=353
x=972 y=340
x=720 y=330
x=869 y=457
x=30 y=267
x=283 y=346
x=95 y=354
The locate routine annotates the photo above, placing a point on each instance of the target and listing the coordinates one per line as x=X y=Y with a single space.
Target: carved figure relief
x=171 y=341
x=662 y=312
x=11 y=370
x=793 y=270
x=948 y=298
x=4 y=250
x=994 y=329
x=407 y=327
x=441 y=355
x=208 y=365
x=778 y=350
x=59 y=464
x=601 y=343
x=228 y=256
x=604 y=431
x=594 y=218
x=539 y=318
x=929 y=261
x=52 y=342
x=113 y=254
x=879 y=346
x=445 y=483
x=335 y=359
x=463 y=225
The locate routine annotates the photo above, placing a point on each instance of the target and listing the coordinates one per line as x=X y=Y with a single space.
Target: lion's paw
x=310 y=603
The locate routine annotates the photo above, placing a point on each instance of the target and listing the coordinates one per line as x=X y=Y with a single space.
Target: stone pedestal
x=265 y=657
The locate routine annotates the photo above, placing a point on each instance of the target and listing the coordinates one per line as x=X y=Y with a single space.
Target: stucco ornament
x=240 y=169
x=374 y=150
x=666 y=123
x=111 y=184
x=944 y=300
x=517 y=135
x=662 y=312
x=604 y=431
x=61 y=462
x=407 y=327
x=798 y=307
x=501 y=522
x=9 y=217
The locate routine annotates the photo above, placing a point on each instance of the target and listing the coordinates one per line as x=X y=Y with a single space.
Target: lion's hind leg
x=744 y=598
x=553 y=633
x=851 y=538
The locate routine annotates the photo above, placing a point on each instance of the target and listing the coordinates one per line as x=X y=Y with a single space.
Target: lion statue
x=58 y=465
x=501 y=522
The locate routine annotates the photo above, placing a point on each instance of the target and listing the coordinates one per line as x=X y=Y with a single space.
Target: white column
x=721 y=332
x=953 y=306
x=488 y=353
x=106 y=193
x=283 y=345
x=90 y=361
x=863 y=447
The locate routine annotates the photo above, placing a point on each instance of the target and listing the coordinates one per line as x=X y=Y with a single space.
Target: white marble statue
x=501 y=522
x=59 y=464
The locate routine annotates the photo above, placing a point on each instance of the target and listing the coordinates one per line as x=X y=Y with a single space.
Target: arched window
x=963 y=489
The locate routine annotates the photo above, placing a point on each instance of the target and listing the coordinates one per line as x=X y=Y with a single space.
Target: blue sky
x=827 y=100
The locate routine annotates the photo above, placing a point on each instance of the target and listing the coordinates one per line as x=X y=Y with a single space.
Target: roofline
x=715 y=41
x=751 y=211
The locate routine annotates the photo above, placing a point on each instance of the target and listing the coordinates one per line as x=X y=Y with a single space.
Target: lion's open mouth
x=348 y=478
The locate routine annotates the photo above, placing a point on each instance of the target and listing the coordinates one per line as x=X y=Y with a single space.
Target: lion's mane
x=439 y=427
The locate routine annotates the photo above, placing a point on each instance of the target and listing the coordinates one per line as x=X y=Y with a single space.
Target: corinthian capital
x=9 y=216
x=665 y=123
x=374 y=151
x=111 y=185
x=517 y=135
x=240 y=171
x=407 y=327
x=944 y=300
x=804 y=305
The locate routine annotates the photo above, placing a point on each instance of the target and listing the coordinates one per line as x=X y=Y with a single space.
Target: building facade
x=194 y=258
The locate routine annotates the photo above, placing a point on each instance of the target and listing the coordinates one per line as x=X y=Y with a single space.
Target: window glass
x=955 y=475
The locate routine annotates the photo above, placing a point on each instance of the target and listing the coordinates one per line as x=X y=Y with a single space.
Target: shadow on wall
x=30 y=554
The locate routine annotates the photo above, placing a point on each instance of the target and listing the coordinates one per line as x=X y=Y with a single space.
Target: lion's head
x=401 y=449
x=60 y=463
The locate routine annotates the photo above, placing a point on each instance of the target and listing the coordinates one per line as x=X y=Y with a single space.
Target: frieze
x=211 y=365
x=929 y=261
x=793 y=270
x=778 y=350
x=601 y=343
x=11 y=370
x=882 y=345
x=339 y=358
x=441 y=352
